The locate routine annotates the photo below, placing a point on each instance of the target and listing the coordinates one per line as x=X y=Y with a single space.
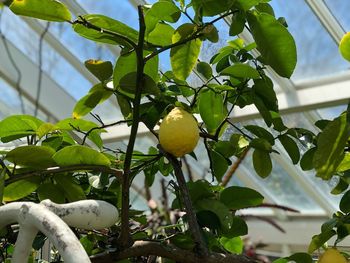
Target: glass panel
x=340 y=9
x=331 y=113
x=317 y=52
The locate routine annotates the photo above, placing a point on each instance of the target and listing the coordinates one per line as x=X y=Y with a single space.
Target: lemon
x=332 y=255
x=344 y=46
x=178 y=132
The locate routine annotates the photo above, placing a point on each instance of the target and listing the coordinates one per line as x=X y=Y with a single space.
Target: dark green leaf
x=2 y=183
x=330 y=147
x=301 y=258
x=261 y=144
x=205 y=70
x=102 y=70
x=261 y=133
x=291 y=147
x=306 y=161
x=266 y=8
x=262 y=163
x=225 y=148
x=107 y=23
x=240 y=70
x=239 y=227
x=274 y=42
x=211 y=7
x=212 y=109
x=219 y=209
x=50 y=191
x=183 y=58
x=219 y=164
x=345 y=203
x=32 y=156
x=319 y=240
x=237 y=23
x=79 y=154
x=236 y=197
x=72 y=191
x=128 y=84
x=20 y=189
x=263 y=88
x=199 y=189
x=124 y=105
x=50 y=10
x=340 y=187
x=211 y=33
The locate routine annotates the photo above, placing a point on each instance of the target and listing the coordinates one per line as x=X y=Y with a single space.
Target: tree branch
x=147 y=248
x=70 y=168
x=185 y=195
x=125 y=239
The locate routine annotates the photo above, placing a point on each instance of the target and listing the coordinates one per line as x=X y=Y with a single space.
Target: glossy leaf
x=219 y=209
x=330 y=147
x=291 y=147
x=211 y=109
x=211 y=7
x=319 y=240
x=233 y=245
x=219 y=165
x=50 y=191
x=239 y=70
x=184 y=57
x=205 y=70
x=274 y=42
x=261 y=133
x=50 y=10
x=18 y=126
x=237 y=23
x=236 y=197
x=102 y=70
x=72 y=191
x=306 y=161
x=32 y=156
x=345 y=203
x=239 y=227
x=262 y=163
x=79 y=154
x=20 y=189
x=107 y=23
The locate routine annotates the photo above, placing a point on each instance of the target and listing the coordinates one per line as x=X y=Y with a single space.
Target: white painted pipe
x=53 y=220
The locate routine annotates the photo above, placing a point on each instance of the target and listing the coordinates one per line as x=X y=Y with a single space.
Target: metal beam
x=327 y=19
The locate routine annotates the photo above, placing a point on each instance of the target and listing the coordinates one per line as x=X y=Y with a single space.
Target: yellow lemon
x=178 y=132
x=344 y=46
x=332 y=255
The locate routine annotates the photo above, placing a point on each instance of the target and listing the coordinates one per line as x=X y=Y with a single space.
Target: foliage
x=51 y=162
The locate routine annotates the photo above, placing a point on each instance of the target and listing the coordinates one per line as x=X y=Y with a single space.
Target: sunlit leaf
x=239 y=70
x=72 y=191
x=32 y=156
x=20 y=189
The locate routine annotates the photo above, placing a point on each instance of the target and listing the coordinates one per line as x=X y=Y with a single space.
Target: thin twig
x=125 y=239
x=185 y=195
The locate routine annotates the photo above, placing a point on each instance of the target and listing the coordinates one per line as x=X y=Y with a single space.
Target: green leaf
x=199 y=189
x=263 y=88
x=233 y=245
x=45 y=129
x=184 y=57
x=341 y=186
x=50 y=10
x=266 y=8
x=18 y=126
x=124 y=105
x=127 y=63
x=161 y=11
x=274 y=42
x=79 y=154
x=2 y=183
x=50 y=191
x=128 y=84
x=240 y=70
x=306 y=160
x=72 y=191
x=247 y=4
x=211 y=33
x=237 y=23
x=345 y=203
x=102 y=70
x=205 y=70
x=345 y=163
x=87 y=103
x=219 y=209
x=106 y=23
x=236 y=197
x=212 y=109
x=32 y=156
x=291 y=147
x=161 y=35
x=262 y=163
x=319 y=240
x=20 y=189
x=211 y=7
x=300 y=258
x=239 y=227
x=225 y=148
x=219 y=164
x=261 y=144
x=261 y=133
x=330 y=147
